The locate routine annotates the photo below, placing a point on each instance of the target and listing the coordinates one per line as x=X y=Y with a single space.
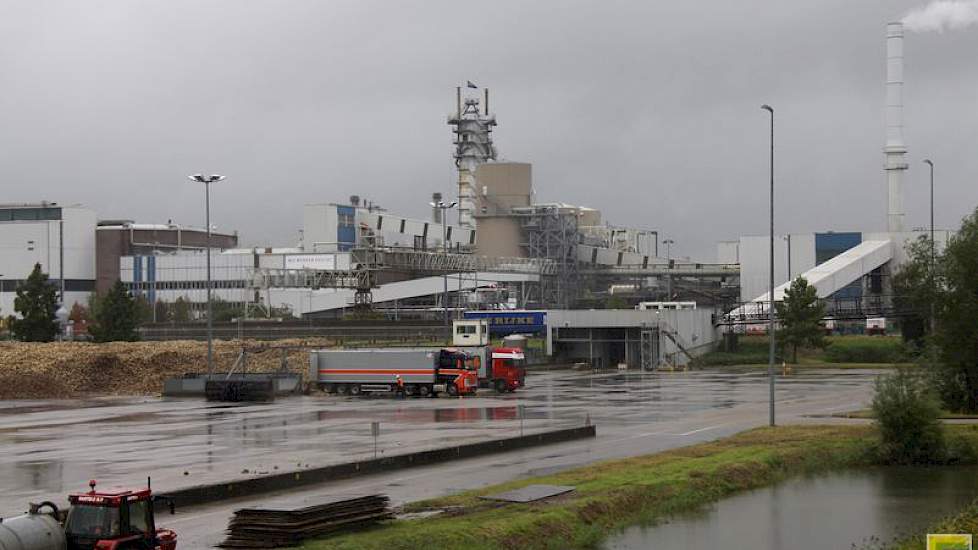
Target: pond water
x=837 y=511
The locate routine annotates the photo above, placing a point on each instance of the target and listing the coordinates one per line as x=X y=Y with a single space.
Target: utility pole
x=669 y=243
x=207 y=181
x=441 y=205
x=933 y=248
x=770 y=312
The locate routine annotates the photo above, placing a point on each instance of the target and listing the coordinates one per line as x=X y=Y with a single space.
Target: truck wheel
x=453 y=390
x=355 y=389
x=342 y=389
x=500 y=386
x=410 y=390
x=329 y=388
x=424 y=391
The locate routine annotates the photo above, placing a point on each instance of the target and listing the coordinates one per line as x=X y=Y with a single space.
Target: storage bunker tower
x=473 y=146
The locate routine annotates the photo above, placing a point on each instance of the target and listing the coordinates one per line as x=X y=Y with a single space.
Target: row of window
x=29 y=214
x=184 y=285
x=71 y=285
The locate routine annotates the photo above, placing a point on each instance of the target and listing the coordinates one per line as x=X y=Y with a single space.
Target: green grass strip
x=615 y=494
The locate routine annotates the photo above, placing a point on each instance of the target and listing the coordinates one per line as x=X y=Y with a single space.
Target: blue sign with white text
x=502 y=323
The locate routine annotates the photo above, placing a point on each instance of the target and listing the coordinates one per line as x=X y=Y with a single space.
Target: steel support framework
x=366 y=262
x=311 y=278
x=550 y=232
x=835 y=308
x=435 y=262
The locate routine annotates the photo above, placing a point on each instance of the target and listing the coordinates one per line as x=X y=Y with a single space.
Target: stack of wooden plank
x=270 y=528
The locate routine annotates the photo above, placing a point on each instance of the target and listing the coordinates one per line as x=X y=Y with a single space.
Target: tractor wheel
x=453 y=390
x=500 y=386
x=355 y=389
x=424 y=390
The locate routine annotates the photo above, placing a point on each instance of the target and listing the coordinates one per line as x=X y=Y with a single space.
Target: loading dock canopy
x=638 y=338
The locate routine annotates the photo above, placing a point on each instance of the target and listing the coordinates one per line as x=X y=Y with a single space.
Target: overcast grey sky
x=647 y=110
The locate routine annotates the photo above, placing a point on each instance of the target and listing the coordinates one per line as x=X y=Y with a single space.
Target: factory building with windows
x=61 y=238
x=81 y=254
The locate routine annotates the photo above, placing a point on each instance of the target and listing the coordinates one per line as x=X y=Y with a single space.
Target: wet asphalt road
x=49 y=448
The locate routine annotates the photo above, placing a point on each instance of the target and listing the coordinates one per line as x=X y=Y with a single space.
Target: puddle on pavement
x=15 y=408
x=837 y=511
x=425 y=416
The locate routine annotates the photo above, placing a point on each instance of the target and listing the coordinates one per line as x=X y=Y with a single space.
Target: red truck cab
x=508 y=369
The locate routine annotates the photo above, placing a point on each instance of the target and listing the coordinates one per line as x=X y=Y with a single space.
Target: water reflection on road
x=51 y=447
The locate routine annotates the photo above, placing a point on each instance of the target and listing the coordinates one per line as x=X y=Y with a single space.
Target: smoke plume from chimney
x=941 y=15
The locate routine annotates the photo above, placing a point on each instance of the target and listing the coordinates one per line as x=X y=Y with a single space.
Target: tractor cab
x=116 y=520
x=508 y=369
x=458 y=370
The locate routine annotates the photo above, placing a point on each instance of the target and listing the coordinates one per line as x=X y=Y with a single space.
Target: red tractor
x=116 y=520
x=96 y=520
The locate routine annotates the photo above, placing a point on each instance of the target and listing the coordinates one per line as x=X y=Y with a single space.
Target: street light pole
x=444 y=245
x=770 y=330
x=207 y=181
x=669 y=243
x=933 y=245
x=788 y=238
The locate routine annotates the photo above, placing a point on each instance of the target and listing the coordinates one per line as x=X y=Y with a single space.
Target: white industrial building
x=840 y=265
x=167 y=277
x=60 y=238
x=798 y=254
x=332 y=227
x=237 y=277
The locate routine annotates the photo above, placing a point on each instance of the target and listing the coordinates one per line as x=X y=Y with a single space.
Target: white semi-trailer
x=415 y=371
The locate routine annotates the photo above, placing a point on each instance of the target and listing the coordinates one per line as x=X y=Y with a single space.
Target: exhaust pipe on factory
x=895 y=148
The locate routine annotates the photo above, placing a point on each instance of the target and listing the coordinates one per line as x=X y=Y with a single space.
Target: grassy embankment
x=619 y=493
x=842 y=352
x=964 y=522
x=868 y=415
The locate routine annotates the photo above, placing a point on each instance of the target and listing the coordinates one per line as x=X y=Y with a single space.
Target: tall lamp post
x=788 y=239
x=207 y=181
x=770 y=312
x=444 y=207
x=933 y=245
x=668 y=243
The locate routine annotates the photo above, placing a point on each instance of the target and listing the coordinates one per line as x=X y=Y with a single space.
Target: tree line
x=114 y=316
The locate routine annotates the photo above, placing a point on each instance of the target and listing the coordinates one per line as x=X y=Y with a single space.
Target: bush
x=908 y=414
x=867 y=349
x=752 y=350
x=725 y=359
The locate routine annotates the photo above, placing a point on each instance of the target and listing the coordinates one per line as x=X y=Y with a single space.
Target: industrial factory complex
x=403 y=308
x=488 y=247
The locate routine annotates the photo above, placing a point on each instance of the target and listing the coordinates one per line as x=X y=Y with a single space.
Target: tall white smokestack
x=895 y=148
